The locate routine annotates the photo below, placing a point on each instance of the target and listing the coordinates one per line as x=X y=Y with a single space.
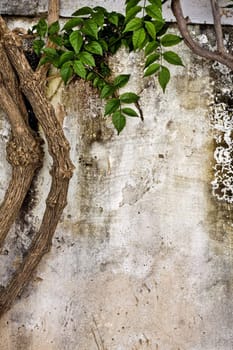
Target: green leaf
x=103 y=44
x=131 y=4
x=73 y=22
x=42 y=28
x=157 y=3
x=111 y=106
x=154 y=12
x=83 y=11
x=79 y=69
x=134 y=24
x=107 y=91
x=132 y=12
x=173 y=58
x=164 y=77
x=76 y=40
x=130 y=112
x=87 y=58
x=153 y=57
x=170 y=40
x=50 y=52
x=56 y=39
x=66 y=72
x=129 y=97
x=152 y=69
x=94 y=47
x=139 y=37
x=54 y=28
x=90 y=28
x=121 y=80
x=91 y=76
x=38 y=46
x=150 y=28
x=98 y=18
x=65 y=57
x=44 y=60
x=150 y=47
x=119 y=121
x=113 y=18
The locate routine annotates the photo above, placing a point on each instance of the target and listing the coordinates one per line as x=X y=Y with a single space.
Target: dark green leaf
x=154 y=12
x=132 y=12
x=83 y=11
x=79 y=69
x=170 y=40
x=91 y=76
x=121 y=80
x=38 y=46
x=153 y=57
x=134 y=24
x=73 y=22
x=164 y=77
x=173 y=58
x=54 y=28
x=90 y=28
x=131 y=3
x=65 y=57
x=113 y=18
x=129 y=97
x=66 y=72
x=50 y=52
x=104 y=44
x=150 y=28
x=42 y=28
x=129 y=111
x=76 y=40
x=87 y=58
x=94 y=47
x=150 y=47
x=119 y=121
x=152 y=69
x=56 y=39
x=111 y=106
x=44 y=60
x=139 y=37
x=107 y=91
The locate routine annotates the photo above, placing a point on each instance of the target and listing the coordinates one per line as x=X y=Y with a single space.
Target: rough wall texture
x=142 y=258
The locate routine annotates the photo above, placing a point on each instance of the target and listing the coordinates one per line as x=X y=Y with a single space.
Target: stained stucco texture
x=142 y=257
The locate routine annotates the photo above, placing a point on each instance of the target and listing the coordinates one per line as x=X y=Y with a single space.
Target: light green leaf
x=94 y=47
x=113 y=18
x=164 y=77
x=98 y=18
x=150 y=59
x=170 y=40
x=50 y=52
x=66 y=72
x=90 y=28
x=173 y=58
x=119 y=121
x=139 y=37
x=54 y=28
x=121 y=80
x=132 y=12
x=150 y=28
x=154 y=12
x=130 y=112
x=87 y=58
x=79 y=69
x=157 y=3
x=152 y=69
x=111 y=106
x=73 y=22
x=134 y=24
x=150 y=47
x=129 y=97
x=76 y=40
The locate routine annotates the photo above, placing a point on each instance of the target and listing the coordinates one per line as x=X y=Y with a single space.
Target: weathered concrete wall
x=142 y=258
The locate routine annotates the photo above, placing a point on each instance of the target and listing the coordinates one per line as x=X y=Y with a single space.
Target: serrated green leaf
x=152 y=58
x=54 y=28
x=87 y=58
x=42 y=28
x=150 y=28
x=83 y=11
x=153 y=68
x=119 y=121
x=73 y=22
x=129 y=97
x=90 y=28
x=130 y=112
x=111 y=106
x=139 y=37
x=154 y=12
x=173 y=58
x=76 y=40
x=66 y=72
x=65 y=57
x=38 y=46
x=170 y=40
x=150 y=47
x=164 y=77
x=132 y=12
x=134 y=24
x=107 y=91
x=94 y=47
x=79 y=69
x=121 y=80
x=113 y=18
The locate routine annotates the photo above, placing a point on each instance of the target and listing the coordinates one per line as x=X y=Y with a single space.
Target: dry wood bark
x=61 y=172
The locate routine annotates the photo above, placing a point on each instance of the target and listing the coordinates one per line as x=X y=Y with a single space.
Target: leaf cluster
x=85 y=42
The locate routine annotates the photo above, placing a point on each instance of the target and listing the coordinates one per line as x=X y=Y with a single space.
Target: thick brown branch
x=222 y=57
x=217 y=25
